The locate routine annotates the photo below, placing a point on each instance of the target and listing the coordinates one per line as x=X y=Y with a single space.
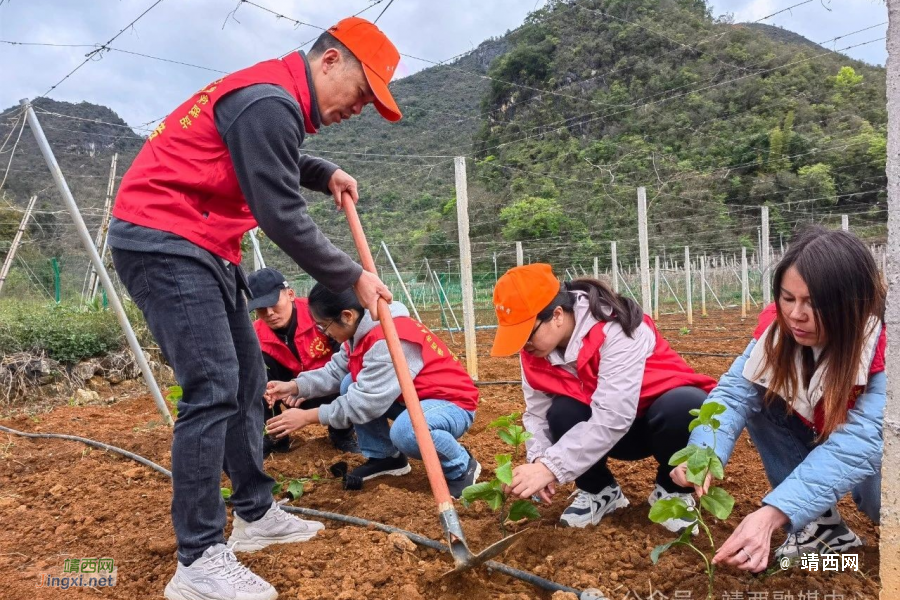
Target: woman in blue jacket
x=810 y=389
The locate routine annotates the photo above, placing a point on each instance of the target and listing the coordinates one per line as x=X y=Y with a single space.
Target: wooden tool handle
x=410 y=397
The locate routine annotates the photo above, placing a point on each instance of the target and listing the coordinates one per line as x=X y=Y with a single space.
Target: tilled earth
x=60 y=500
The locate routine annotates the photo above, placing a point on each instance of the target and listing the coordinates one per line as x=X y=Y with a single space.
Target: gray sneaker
x=826 y=535
x=217 y=575
x=275 y=527
x=588 y=509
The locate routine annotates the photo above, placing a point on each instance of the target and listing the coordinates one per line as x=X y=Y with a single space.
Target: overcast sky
x=191 y=31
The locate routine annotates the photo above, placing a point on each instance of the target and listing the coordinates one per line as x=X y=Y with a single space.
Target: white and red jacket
x=618 y=376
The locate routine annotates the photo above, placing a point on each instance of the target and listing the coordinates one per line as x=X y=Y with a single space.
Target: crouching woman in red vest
x=363 y=374
x=599 y=382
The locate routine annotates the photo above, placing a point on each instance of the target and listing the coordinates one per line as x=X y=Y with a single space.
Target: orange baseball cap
x=379 y=58
x=519 y=296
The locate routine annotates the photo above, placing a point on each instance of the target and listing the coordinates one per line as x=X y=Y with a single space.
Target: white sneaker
x=675 y=525
x=588 y=509
x=217 y=575
x=826 y=535
x=275 y=527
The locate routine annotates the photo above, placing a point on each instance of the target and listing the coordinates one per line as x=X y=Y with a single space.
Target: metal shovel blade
x=464 y=559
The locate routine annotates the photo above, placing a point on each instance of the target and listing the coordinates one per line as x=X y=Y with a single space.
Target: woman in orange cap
x=599 y=382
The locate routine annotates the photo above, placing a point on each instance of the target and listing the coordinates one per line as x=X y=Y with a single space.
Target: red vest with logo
x=183 y=180
x=442 y=377
x=313 y=347
x=770 y=314
x=664 y=371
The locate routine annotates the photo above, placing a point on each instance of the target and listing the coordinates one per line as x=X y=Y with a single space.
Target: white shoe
x=826 y=535
x=217 y=575
x=275 y=527
x=675 y=525
x=588 y=509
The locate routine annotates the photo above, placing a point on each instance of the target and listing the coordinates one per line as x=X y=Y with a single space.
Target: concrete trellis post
x=614 y=267
x=745 y=283
x=703 y=285
x=520 y=259
x=644 y=251
x=890 y=483
x=845 y=223
x=764 y=256
x=7 y=263
x=687 y=285
x=656 y=289
x=88 y=244
x=465 y=266
x=596 y=268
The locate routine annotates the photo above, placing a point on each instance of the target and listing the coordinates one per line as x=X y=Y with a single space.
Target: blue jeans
x=446 y=421
x=203 y=328
x=784 y=441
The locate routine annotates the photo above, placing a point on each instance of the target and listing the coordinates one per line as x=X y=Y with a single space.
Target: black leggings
x=661 y=432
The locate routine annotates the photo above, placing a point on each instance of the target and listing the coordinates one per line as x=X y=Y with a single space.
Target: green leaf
x=488 y=491
x=505 y=420
x=506 y=437
x=668 y=508
x=715 y=467
x=718 y=502
x=522 y=509
x=504 y=473
x=695 y=424
x=715 y=423
x=658 y=551
x=518 y=434
x=226 y=494
x=526 y=436
x=683 y=455
x=697 y=467
x=503 y=459
x=709 y=410
x=295 y=488
x=277 y=488
x=694 y=412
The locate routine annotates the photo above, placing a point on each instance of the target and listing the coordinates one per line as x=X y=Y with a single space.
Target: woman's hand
x=748 y=547
x=280 y=390
x=679 y=476
x=530 y=479
x=291 y=420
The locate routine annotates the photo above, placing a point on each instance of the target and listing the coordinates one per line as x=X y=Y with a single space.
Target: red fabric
x=770 y=314
x=441 y=378
x=314 y=348
x=183 y=181
x=664 y=371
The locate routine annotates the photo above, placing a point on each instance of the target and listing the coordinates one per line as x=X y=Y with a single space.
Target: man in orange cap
x=227 y=160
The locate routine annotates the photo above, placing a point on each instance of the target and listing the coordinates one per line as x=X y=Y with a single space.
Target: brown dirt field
x=60 y=500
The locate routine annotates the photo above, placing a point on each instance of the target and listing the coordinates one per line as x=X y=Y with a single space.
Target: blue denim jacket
x=848 y=456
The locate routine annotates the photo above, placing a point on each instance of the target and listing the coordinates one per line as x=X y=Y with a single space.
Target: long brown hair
x=625 y=311
x=845 y=289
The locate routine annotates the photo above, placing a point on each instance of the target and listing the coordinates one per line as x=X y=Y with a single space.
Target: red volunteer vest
x=183 y=181
x=314 y=348
x=442 y=377
x=768 y=316
x=664 y=371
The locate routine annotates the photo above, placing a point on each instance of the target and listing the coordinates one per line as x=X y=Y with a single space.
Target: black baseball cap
x=266 y=286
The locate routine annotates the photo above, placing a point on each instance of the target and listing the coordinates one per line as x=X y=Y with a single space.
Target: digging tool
x=462 y=557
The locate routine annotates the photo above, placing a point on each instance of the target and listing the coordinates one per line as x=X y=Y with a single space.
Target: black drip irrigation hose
x=534 y=580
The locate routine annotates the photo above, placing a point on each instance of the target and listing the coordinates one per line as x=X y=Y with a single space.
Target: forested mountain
x=561 y=120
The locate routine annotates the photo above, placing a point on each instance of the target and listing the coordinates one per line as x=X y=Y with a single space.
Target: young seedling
x=173 y=395
x=491 y=492
x=292 y=487
x=701 y=462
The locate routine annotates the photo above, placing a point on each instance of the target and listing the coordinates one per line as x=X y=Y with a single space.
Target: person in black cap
x=291 y=344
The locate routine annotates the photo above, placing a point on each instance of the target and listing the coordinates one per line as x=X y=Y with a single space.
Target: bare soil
x=61 y=500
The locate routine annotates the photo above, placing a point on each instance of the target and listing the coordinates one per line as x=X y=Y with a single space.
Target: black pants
x=661 y=432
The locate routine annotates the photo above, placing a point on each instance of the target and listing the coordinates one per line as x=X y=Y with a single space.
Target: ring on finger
x=749 y=556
